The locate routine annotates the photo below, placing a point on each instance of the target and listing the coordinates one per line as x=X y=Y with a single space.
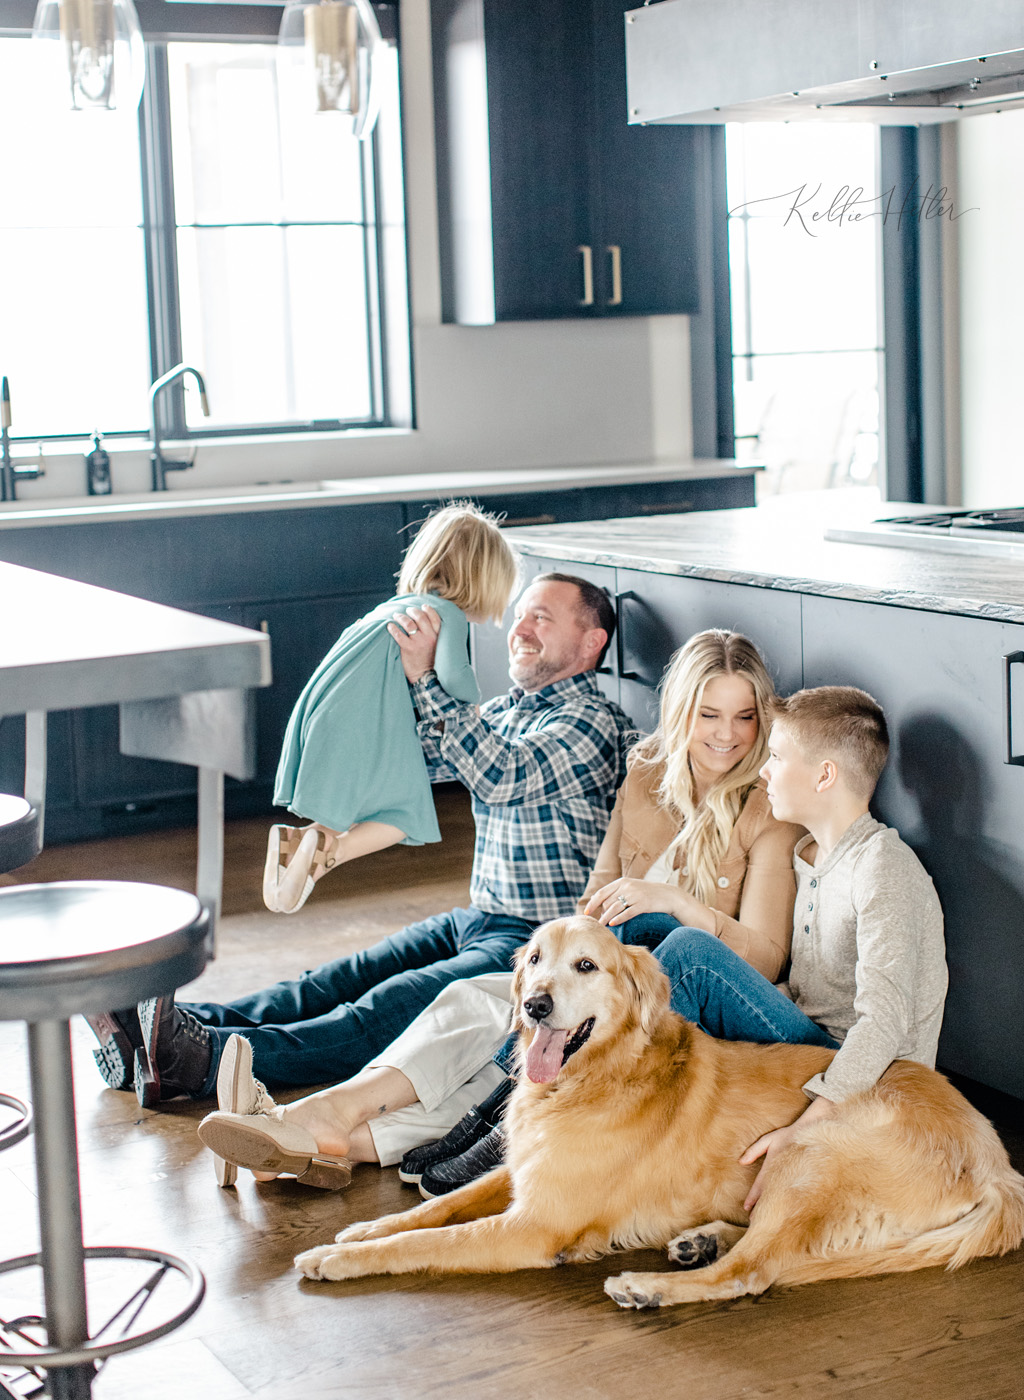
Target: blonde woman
x=692 y=844
x=352 y=763
x=692 y=840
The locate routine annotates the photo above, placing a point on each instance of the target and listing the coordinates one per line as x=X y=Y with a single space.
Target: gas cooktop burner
x=1007 y=520
x=956 y=531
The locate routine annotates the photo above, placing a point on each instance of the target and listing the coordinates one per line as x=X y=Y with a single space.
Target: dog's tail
x=994 y=1225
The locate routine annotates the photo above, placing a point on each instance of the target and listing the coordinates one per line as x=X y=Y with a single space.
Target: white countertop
x=179 y=500
x=780 y=544
x=65 y=644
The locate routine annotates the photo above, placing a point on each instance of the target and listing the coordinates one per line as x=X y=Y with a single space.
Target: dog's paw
x=362 y=1230
x=321 y=1263
x=630 y=1291
x=693 y=1249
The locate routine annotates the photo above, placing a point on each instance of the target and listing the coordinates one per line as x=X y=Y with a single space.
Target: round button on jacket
x=723 y=882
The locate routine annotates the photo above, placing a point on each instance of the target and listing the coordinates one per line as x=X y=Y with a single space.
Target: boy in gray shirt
x=868 y=971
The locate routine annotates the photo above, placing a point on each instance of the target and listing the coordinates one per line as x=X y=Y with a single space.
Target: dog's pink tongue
x=544 y=1056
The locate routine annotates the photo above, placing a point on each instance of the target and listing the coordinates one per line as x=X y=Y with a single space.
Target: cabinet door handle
x=588 y=274
x=511 y=523
x=1015 y=658
x=616 y=255
x=620 y=634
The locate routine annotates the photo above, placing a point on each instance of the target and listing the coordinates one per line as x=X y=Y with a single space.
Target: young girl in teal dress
x=351 y=763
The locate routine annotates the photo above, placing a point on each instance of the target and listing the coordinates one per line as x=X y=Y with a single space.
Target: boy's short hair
x=841 y=722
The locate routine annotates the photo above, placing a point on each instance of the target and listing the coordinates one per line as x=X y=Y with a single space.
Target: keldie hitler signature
x=852 y=206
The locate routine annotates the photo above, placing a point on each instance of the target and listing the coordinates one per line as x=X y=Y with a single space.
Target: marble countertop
x=181 y=500
x=780 y=544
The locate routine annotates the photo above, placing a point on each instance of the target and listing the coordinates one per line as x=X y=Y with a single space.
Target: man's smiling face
x=550 y=638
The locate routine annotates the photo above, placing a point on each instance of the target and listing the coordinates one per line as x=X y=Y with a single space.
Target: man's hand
x=416 y=631
x=769 y=1145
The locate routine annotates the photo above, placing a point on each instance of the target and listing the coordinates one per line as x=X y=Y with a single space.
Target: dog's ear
x=649 y=986
x=519 y=958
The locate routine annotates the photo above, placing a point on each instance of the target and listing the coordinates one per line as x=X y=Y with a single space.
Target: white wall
x=991 y=247
x=523 y=394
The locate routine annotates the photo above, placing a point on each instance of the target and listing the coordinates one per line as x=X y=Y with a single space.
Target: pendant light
x=98 y=44
x=326 y=51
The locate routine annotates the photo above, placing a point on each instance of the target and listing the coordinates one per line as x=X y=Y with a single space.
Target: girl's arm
x=451 y=660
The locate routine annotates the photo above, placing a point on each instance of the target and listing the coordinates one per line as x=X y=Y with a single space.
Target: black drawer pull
x=668 y=508
x=620 y=646
x=530 y=520
x=1015 y=658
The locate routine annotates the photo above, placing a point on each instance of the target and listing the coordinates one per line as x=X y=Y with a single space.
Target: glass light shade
x=98 y=46
x=326 y=53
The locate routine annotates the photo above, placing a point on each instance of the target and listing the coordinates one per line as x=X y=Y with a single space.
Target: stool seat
x=88 y=945
x=19 y=832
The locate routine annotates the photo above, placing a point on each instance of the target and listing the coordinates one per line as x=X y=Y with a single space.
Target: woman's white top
x=662 y=872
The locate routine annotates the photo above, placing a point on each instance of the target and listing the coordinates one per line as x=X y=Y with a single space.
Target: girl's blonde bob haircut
x=461 y=555
x=705 y=827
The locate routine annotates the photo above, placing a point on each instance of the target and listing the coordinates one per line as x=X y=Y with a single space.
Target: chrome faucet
x=10 y=475
x=160 y=464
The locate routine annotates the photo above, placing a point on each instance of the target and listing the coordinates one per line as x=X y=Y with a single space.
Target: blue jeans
x=329 y=1023
x=713 y=987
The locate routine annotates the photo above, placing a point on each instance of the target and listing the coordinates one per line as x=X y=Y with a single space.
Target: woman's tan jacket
x=753 y=906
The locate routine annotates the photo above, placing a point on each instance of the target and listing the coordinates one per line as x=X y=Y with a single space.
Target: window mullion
x=161 y=237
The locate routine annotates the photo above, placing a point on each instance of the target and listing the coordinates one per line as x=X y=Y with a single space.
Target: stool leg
x=60 y=1211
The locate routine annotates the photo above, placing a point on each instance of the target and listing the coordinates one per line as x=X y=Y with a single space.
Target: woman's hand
x=769 y=1145
x=623 y=899
x=416 y=631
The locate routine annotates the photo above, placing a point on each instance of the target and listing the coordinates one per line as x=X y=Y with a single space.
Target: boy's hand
x=769 y=1145
x=416 y=631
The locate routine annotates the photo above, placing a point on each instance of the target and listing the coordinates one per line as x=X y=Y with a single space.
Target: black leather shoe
x=119 y=1035
x=476 y=1124
x=174 y=1057
x=482 y=1157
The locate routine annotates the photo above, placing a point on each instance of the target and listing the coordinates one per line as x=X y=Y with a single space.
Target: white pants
x=446 y=1054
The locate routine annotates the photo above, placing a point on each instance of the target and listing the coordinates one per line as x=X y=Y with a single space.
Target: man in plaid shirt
x=542 y=765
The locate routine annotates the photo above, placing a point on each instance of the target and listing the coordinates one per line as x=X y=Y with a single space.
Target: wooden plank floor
x=261 y=1332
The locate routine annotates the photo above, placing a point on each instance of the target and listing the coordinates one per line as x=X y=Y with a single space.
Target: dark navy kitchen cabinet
x=550 y=204
x=645 y=223
x=658 y=612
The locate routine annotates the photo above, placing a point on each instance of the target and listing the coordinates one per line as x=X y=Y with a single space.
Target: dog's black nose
x=539 y=1006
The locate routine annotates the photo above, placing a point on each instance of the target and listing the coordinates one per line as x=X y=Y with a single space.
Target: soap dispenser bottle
x=97 y=468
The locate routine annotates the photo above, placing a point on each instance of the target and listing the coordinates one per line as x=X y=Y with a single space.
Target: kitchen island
x=298 y=561
x=937 y=639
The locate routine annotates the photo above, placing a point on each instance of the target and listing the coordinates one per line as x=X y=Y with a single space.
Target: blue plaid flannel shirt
x=542 y=770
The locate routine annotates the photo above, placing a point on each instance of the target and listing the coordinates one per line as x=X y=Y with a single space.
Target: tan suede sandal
x=282 y=844
x=262 y=1143
x=316 y=853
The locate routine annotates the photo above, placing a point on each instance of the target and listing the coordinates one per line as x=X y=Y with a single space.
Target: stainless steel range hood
x=884 y=61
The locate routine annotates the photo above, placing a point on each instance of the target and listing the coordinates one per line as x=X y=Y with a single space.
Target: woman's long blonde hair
x=705 y=827
x=461 y=554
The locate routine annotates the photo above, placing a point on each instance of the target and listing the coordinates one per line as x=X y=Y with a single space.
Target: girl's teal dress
x=351 y=752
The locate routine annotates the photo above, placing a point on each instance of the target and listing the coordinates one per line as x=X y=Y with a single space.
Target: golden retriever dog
x=626 y=1130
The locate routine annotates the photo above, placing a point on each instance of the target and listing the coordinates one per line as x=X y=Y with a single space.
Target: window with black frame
x=227 y=227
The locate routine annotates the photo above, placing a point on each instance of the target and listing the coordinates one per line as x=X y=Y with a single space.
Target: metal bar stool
x=84 y=946
x=20 y=842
